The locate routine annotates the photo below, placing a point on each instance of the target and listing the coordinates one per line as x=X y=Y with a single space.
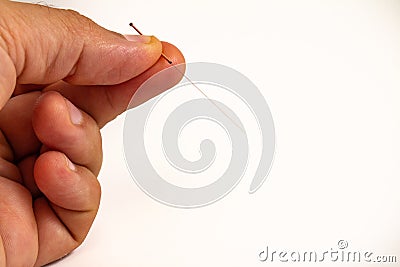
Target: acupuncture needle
x=192 y=83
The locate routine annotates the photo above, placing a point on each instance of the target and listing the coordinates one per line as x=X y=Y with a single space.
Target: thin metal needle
x=191 y=82
x=209 y=99
x=162 y=54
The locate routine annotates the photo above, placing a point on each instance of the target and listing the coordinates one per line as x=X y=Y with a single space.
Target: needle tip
x=166 y=58
x=137 y=30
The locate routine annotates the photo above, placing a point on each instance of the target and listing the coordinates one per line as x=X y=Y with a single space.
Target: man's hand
x=62 y=77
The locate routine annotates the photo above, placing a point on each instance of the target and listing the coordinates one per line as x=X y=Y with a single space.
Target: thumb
x=42 y=45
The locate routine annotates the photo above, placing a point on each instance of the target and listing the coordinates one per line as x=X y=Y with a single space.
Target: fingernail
x=139 y=38
x=74 y=113
x=70 y=165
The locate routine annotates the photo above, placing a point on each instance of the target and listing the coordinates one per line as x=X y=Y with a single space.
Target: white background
x=330 y=73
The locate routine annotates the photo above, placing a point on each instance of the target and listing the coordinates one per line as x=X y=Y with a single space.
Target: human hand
x=62 y=77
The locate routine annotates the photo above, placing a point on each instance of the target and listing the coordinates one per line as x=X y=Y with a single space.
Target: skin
x=62 y=78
